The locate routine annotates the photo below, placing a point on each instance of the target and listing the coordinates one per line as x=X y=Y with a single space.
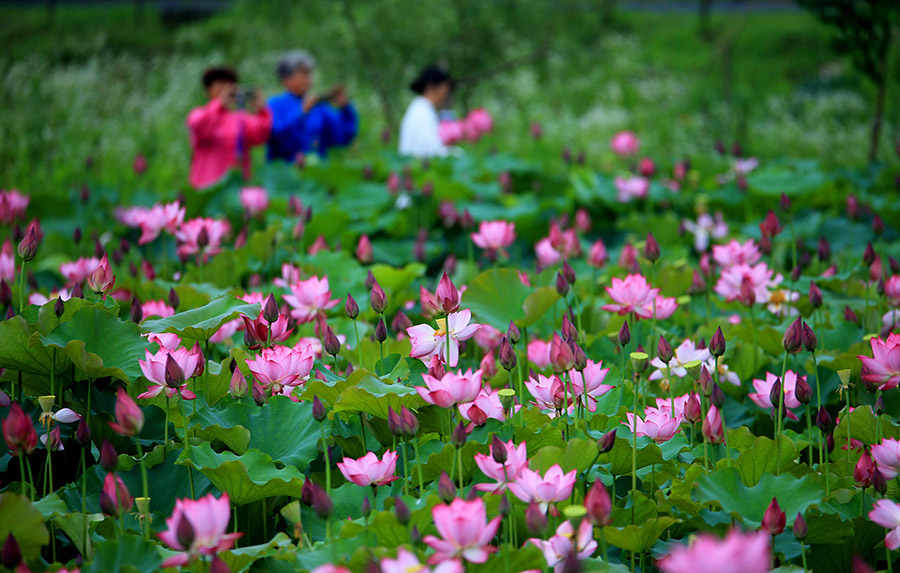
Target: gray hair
x=293 y=61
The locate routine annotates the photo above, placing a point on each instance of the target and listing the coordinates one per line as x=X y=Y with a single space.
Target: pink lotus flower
x=428 y=342
x=737 y=553
x=539 y=353
x=764 y=388
x=759 y=278
x=589 y=384
x=254 y=200
x=7 y=262
x=18 y=431
x=197 y=529
x=289 y=275
x=662 y=307
x=157 y=308
x=40 y=299
x=261 y=332
x=364 y=253
x=887 y=456
x=705 y=228
x=310 y=298
x=566 y=541
x=156 y=366
x=369 y=470
x=12 y=206
x=488 y=404
x=632 y=295
x=164 y=339
x=488 y=338
x=201 y=236
x=280 y=366
x=892 y=290
x=502 y=474
x=546 y=255
x=115 y=500
x=686 y=352
x=451 y=132
x=495 y=236
x=736 y=253
x=549 y=393
x=884 y=368
x=129 y=418
x=102 y=279
x=557 y=246
x=226 y=331
x=553 y=486
x=479 y=122
x=598 y=256
x=152 y=221
x=407 y=562
x=465 y=532
x=658 y=425
x=886 y=513
x=625 y=143
x=631 y=188
x=79 y=270
x=454 y=388
x=743 y=166
x=780 y=302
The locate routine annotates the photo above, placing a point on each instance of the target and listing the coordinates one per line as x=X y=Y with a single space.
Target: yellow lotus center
x=442 y=327
x=778 y=297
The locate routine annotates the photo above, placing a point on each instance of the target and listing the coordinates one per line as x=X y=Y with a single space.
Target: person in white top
x=420 y=128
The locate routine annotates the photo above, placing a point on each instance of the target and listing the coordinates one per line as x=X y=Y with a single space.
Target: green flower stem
x=362 y=428
x=144 y=487
x=21 y=457
x=822 y=454
x=84 y=523
x=634 y=448
x=166 y=430
x=849 y=449
x=460 y=466
x=419 y=463
x=447 y=334
x=327 y=465
x=803 y=550
x=671 y=390
x=358 y=344
x=22 y=286
x=32 y=483
x=779 y=423
x=405 y=468
x=865 y=312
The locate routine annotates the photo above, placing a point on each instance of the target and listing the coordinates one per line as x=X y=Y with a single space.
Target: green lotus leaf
x=21 y=518
x=201 y=323
x=638 y=538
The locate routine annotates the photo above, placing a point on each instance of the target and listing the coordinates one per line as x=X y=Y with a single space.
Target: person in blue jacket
x=302 y=122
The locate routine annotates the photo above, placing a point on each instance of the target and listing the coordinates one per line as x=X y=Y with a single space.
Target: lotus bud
x=802 y=391
x=717 y=343
x=869 y=255
x=561 y=356
x=508 y=357
x=580 y=358
x=59 y=307
x=306 y=493
x=639 y=361
x=879 y=406
x=83 y=433
x=829 y=443
x=401 y=510
x=879 y=482
x=864 y=470
x=800 y=528
x=53 y=441
x=129 y=418
x=477 y=416
x=446 y=489
x=115 y=500
x=606 y=442
x=458 y=436
x=321 y=503
x=332 y=344
x=568 y=329
x=318 y=410
x=466 y=221
x=174 y=301
x=109 y=459
x=815 y=295
x=775 y=393
x=774 y=519
x=28 y=246
x=174 y=375
x=503 y=508
x=512 y=333
x=796 y=272
x=498 y=450
x=381 y=331
x=598 y=504
x=447 y=295
x=771 y=226
x=824 y=421
x=624 y=335
x=409 y=424
x=850 y=316
x=562 y=287
x=705 y=381
x=713 y=429
x=238 y=386
x=436 y=368
x=651 y=249
x=793 y=336
x=693 y=412
x=535 y=519
x=365 y=507
x=259 y=395
x=377 y=298
x=351 y=308
x=664 y=350
x=784 y=203
x=568 y=273
x=395 y=424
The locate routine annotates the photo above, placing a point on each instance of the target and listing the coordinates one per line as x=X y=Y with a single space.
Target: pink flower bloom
x=589 y=384
x=780 y=302
x=155 y=366
x=539 y=353
x=764 y=388
x=546 y=255
x=886 y=513
x=663 y=306
x=488 y=403
x=598 y=256
x=465 y=532
x=557 y=246
x=7 y=262
x=495 y=235
x=310 y=298
x=736 y=253
x=625 y=143
x=12 y=206
x=566 y=541
x=201 y=236
x=157 y=308
x=488 y=338
x=502 y=474
x=407 y=562
x=480 y=121
x=254 y=200
x=369 y=470
x=632 y=295
x=164 y=339
x=428 y=342
x=197 y=528
x=129 y=418
x=705 y=228
x=553 y=486
x=153 y=220
x=280 y=366
x=631 y=188
x=78 y=271
x=454 y=388
x=226 y=331
x=887 y=456
x=686 y=352
x=759 y=278
x=737 y=553
x=102 y=279
x=657 y=424
x=451 y=132
x=548 y=393
x=744 y=166
x=115 y=500
x=892 y=290
x=884 y=368
x=289 y=275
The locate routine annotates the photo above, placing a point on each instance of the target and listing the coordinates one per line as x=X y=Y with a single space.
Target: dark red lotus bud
x=332 y=344
x=803 y=392
x=562 y=286
x=717 y=397
x=83 y=433
x=446 y=489
x=401 y=510
x=568 y=273
x=10 y=312
x=824 y=421
x=137 y=311
x=306 y=494
x=705 y=381
x=880 y=287
x=895 y=265
x=5 y=293
x=774 y=519
x=512 y=333
x=203 y=238
x=800 y=528
x=693 y=413
x=877 y=225
x=815 y=295
x=606 y=442
x=771 y=226
x=318 y=410
x=174 y=301
x=624 y=335
x=824 y=249
x=775 y=393
x=829 y=442
x=793 y=336
x=109 y=459
x=28 y=246
x=850 y=315
x=395 y=424
x=869 y=255
x=270 y=309
x=717 y=343
x=11 y=555
x=535 y=520
x=784 y=203
x=76 y=235
x=409 y=424
x=569 y=331
x=365 y=508
x=351 y=309
x=381 y=330
x=879 y=482
x=651 y=249
x=765 y=245
x=377 y=298
x=458 y=436
x=796 y=272
x=810 y=342
x=174 y=375
x=580 y=357
x=498 y=450
x=879 y=406
x=59 y=307
x=508 y=357
x=664 y=350
x=321 y=503
x=466 y=221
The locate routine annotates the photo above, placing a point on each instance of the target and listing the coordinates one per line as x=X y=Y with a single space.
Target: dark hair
x=431 y=75
x=219 y=73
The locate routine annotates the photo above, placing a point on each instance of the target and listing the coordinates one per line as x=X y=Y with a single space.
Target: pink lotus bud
x=28 y=245
x=129 y=418
x=713 y=429
x=784 y=203
x=332 y=344
x=19 y=432
x=810 y=342
x=446 y=489
x=351 y=308
x=864 y=470
x=238 y=385
x=381 y=330
x=771 y=226
x=793 y=336
x=582 y=220
x=824 y=249
x=395 y=424
x=597 y=256
x=717 y=343
x=815 y=295
x=258 y=394
x=364 y=250
x=508 y=358
x=140 y=164
x=409 y=424
x=561 y=356
x=377 y=298
x=109 y=459
x=568 y=273
x=705 y=381
x=321 y=503
x=599 y=505
x=458 y=436
x=651 y=249
x=115 y=500
x=606 y=442
x=664 y=350
x=692 y=410
x=488 y=366
x=436 y=368
x=318 y=410
x=800 y=528
x=446 y=295
x=569 y=331
x=174 y=375
x=401 y=322
x=393 y=183
x=646 y=167
x=774 y=519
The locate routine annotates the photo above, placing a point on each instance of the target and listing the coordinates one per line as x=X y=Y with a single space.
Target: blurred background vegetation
x=101 y=83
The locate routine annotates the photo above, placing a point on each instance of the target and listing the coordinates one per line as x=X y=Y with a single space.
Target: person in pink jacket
x=221 y=137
